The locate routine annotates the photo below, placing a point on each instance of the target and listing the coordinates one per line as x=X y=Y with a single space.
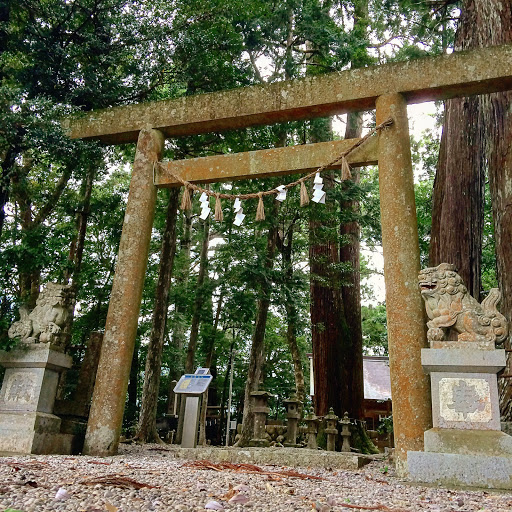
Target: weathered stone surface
x=465 y=401
x=260 y=410
x=35 y=356
x=455 y=317
x=468 y=442
x=293 y=457
x=27 y=398
x=463 y=360
x=46 y=322
x=459 y=469
x=266 y=162
x=33 y=433
x=106 y=415
x=31 y=378
x=410 y=387
x=482 y=70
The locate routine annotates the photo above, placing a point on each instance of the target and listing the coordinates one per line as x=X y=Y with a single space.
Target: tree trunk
x=492 y=22
x=178 y=331
x=211 y=394
x=292 y=317
x=133 y=387
x=199 y=299
x=257 y=354
x=329 y=331
x=196 y=318
x=458 y=201
x=146 y=428
x=351 y=286
x=77 y=245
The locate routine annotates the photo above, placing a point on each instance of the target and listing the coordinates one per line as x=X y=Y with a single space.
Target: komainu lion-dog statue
x=47 y=322
x=455 y=317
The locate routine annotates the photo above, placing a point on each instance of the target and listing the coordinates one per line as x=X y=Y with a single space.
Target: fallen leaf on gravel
x=117 y=481
x=270 y=488
x=369 y=507
x=99 y=462
x=245 y=468
x=110 y=508
x=320 y=507
x=376 y=480
x=239 y=499
x=214 y=505
x=231 y=492
x=27 y=465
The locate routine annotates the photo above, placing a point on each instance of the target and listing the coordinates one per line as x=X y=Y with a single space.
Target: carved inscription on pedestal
x=20 y=388
x=465 y=400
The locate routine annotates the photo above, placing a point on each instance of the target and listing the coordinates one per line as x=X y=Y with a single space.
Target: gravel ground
x=67 y=483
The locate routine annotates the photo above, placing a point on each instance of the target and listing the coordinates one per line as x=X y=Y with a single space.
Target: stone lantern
x=345 y=433
x=330 y=429
x=292 y=416
x=312 y=430
x=260 y=410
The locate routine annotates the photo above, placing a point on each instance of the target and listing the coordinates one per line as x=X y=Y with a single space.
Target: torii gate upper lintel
x=388 y=89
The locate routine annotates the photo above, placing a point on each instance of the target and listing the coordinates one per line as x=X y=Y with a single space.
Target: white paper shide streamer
x=282 y=193
x=237 y=208
x=205 y=206
x=318 y=190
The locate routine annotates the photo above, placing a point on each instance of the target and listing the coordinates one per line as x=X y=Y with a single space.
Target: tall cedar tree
x=458 y=201
x=477 y=132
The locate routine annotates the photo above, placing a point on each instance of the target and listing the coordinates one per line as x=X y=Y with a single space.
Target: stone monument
x=27 y=396
x=312 y=422
x=292 y=416
x=465 y=445
x=260 y=410
x=345 y=433
x=331 y=420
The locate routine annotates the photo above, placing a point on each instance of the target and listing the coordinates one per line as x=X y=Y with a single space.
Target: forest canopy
x=215 y=291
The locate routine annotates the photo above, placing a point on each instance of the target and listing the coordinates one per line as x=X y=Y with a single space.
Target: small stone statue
x=45 y=323
x=455 y=317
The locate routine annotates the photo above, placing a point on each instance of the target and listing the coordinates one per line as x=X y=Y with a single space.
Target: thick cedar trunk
x=146 y=428
x=351 y=286
x=493 y=22
x=328 y=328
x=257 y=354
x=458 y=203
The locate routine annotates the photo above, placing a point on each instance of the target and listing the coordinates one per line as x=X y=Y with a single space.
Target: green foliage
x=64 y=58
x=375 y=334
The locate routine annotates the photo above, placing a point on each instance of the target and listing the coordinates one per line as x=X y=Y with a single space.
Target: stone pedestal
x=260 y=410
x=312 y=431
x=27 y=397
x=466 y=446
x=331 y=421
x=292 y=416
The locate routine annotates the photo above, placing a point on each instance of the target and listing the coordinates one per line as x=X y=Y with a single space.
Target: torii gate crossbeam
x=388 y=88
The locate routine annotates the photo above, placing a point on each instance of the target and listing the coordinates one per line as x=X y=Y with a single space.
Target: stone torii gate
x=388 y=89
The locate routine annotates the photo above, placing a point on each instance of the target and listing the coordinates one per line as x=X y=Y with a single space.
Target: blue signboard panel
x=192 y=384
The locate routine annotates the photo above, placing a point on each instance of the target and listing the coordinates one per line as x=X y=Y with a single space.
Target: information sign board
x=192 y=384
